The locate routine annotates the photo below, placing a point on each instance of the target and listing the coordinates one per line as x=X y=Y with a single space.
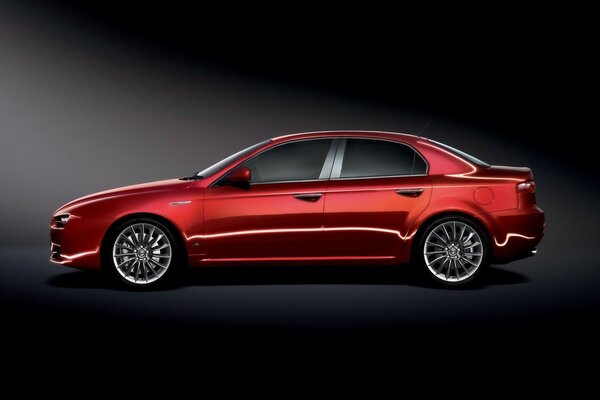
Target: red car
x=311 y=199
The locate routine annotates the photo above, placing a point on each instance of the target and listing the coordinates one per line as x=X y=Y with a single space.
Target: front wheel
x=141 y=252
x=453 y=250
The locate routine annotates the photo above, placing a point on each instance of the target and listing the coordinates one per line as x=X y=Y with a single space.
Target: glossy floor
x=532 y=296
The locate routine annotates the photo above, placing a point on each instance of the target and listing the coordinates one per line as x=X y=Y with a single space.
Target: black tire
x=455 y=273
x=160 y=277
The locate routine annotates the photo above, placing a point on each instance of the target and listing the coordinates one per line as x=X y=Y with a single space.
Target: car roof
x=349 y=133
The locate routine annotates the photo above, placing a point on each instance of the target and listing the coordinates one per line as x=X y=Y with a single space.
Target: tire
x=453 y=250
x=141 y=253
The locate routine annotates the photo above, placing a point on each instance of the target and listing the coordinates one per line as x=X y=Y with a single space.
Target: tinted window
x=364 y=157
x=210 y=171
x=462 y=154
x=290 y=162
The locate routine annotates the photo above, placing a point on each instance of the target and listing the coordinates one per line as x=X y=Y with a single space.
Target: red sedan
x=311 y=199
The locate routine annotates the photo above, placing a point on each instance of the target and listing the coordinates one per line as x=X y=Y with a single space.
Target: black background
x=99 y=95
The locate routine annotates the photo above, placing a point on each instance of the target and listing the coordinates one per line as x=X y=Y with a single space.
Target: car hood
x=165 y=185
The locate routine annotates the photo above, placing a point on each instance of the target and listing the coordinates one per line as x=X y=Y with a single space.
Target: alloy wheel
x=142 y=253
x=453 y=251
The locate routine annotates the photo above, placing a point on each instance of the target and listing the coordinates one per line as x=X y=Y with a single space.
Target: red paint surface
x=355 y=220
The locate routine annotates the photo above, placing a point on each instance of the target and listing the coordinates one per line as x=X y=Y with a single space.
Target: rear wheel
x=141 y=252
x=453 y=250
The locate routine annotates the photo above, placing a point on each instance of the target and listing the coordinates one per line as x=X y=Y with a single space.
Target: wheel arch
x=169 y=224
x=448 y=213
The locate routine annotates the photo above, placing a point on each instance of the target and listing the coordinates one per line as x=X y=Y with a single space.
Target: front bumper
x=77 y=244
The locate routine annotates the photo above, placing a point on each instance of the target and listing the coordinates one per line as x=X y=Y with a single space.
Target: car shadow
x=240 y=276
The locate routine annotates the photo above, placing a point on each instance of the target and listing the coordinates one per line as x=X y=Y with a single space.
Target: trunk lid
x=502 y=171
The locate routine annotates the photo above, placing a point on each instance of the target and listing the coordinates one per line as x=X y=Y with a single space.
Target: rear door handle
x=413 y=192
x=308 y=196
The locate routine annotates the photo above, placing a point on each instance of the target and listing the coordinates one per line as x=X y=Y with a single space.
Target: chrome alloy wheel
x=142 y=253
x=453 y=251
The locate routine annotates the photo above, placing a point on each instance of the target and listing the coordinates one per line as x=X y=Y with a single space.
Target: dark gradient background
x=99 y=96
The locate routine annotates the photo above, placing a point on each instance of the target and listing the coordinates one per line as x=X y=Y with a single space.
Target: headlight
x=61 y=219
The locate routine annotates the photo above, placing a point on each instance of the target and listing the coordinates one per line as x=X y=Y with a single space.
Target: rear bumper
x=516 y=257
x=516 y=233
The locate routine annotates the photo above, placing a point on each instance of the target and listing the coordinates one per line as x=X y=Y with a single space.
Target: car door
x=281 y=216
x=377 y=190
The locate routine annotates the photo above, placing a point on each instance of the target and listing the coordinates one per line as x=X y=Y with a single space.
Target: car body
x=315 y=198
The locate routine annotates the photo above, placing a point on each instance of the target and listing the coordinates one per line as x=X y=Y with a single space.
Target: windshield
x=213 y=169
x=462 y=154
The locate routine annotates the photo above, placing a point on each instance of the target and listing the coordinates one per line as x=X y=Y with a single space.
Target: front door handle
x=308 y=196
x=413 y=192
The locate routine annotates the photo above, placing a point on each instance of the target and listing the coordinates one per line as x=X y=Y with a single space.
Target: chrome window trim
x=378 y=177
x=298 y=181
x=343 y=179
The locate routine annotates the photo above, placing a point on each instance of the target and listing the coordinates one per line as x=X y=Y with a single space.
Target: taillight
x=526 y=187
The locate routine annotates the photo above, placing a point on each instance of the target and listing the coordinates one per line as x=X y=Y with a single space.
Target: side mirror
x=240 y=177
